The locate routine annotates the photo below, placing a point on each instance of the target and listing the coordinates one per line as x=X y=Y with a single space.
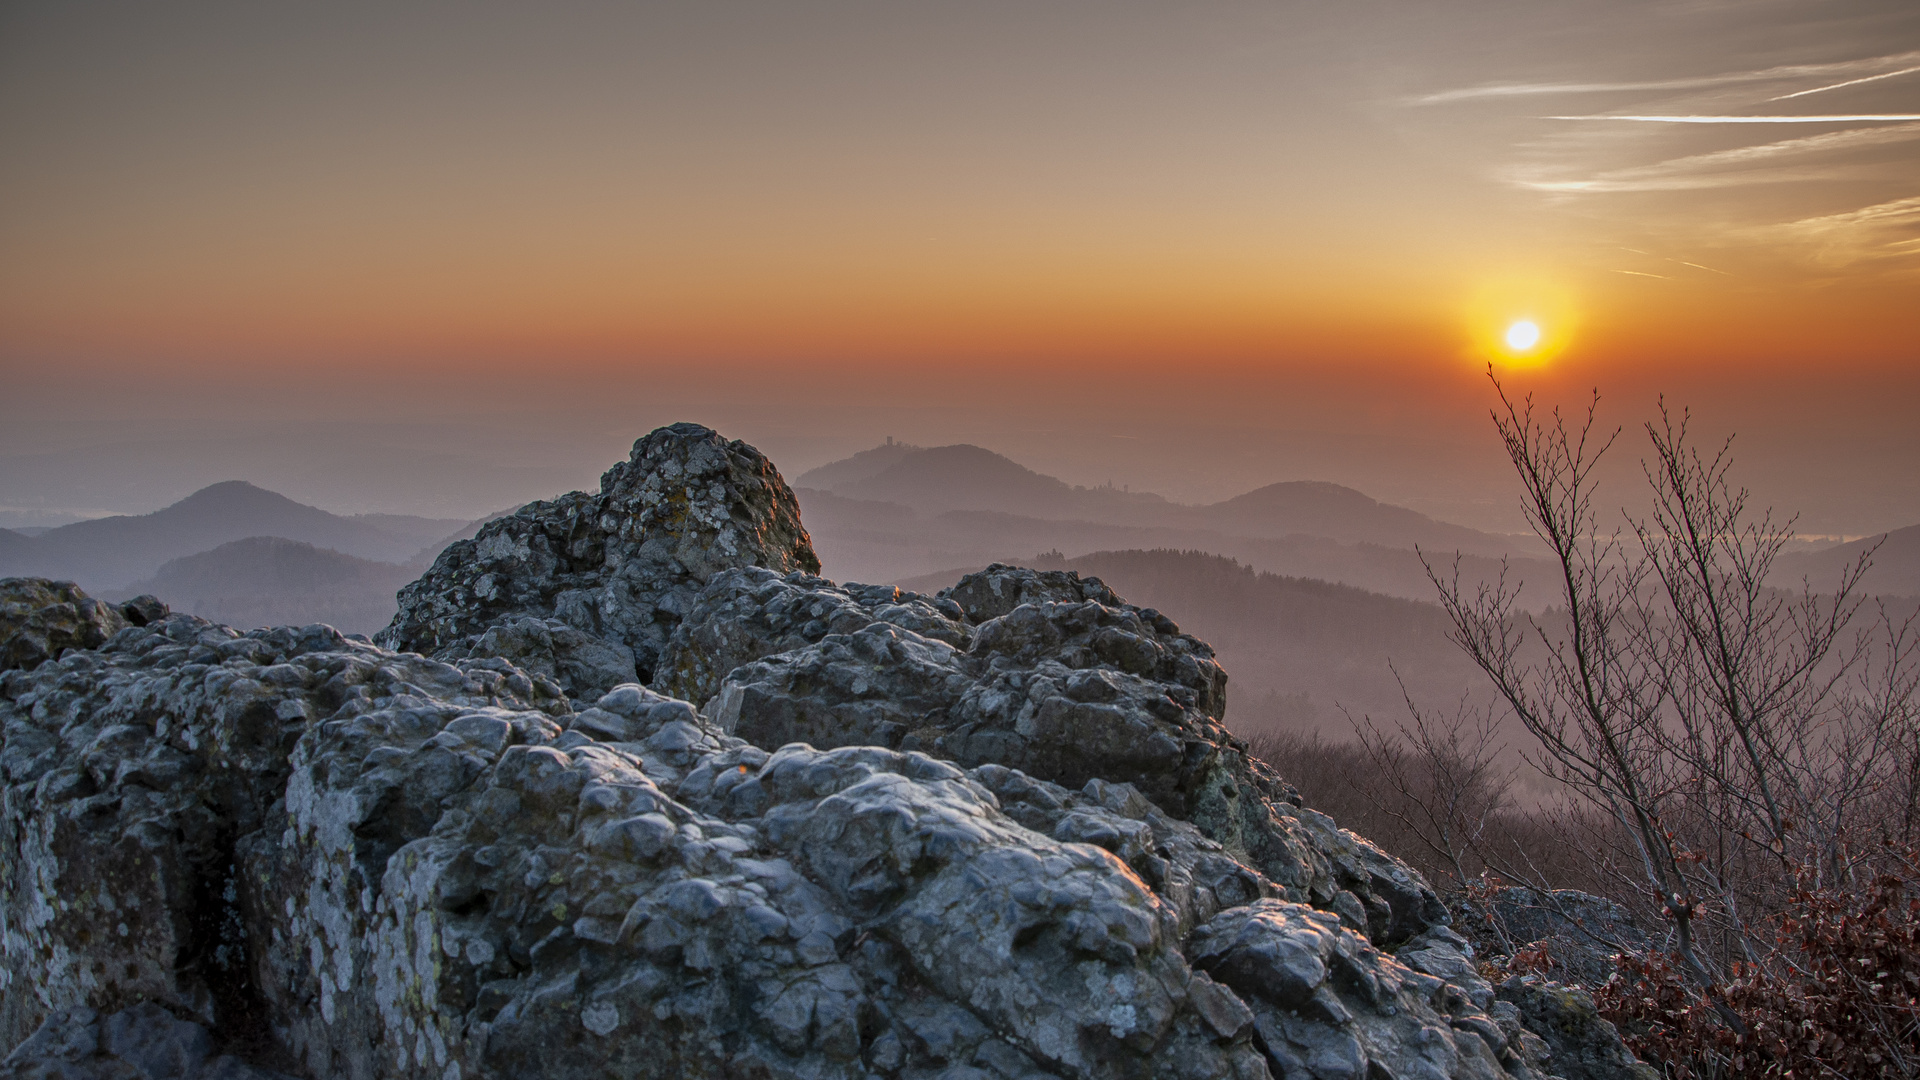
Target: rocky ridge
x=608 y=574
x=847 y=832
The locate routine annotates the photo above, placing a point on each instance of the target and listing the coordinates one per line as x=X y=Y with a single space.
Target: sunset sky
x=1193 y=248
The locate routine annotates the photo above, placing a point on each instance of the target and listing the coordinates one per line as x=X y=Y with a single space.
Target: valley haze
x=1317 y=597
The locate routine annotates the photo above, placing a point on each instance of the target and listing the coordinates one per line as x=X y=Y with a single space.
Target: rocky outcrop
x=747 y=614
x=1567 y=933
x=41 y=619
x=1042 y=671
x=1581 y=1045
x=144 y=1042
x=620 y=566
x=998 y=833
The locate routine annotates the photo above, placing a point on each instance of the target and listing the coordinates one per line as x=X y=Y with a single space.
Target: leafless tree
x=1732 y=732
x=1446 y=785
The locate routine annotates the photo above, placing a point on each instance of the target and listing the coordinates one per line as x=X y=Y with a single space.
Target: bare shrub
x=1736 y=746
x=1838 y=994
x=1443 y=805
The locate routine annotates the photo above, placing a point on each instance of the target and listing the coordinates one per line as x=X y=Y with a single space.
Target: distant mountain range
x=1895 y=570
x=270 y=581
x=896 y=513
x=942 y=479
x=109 y=553
x=899 y=511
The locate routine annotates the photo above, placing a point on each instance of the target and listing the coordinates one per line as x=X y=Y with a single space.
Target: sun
x=1519 y=321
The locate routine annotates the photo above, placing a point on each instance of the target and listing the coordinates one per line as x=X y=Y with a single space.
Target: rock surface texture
x=40 y=620
x=619 y=567
x=847 y=833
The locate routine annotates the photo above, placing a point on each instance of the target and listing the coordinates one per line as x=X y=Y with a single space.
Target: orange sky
x=863 y=197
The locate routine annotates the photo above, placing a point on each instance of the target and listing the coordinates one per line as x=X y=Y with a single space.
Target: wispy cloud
x=1897 y=212
x=1844 y=85
x=1613 y=184
x=1831 y=118
x=1729 y=168
x=1698 y=82
x=1878 y=232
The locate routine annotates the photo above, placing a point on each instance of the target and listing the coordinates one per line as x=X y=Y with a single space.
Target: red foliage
x=1837 y=996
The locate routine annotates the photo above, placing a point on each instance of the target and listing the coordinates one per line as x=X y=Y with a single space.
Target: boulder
x=1048 y=673
x=1582 y=1045
x=405 y=867
x=411 y=868
x=1571 y=935
x=41 y=619
x=750 y=613
x=622 y=565
x=133 y=773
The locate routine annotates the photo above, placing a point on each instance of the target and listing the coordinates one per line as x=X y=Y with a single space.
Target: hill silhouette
x=1895 y=570
x=852 y=470
x=966 y=477
x=898 y=511
x=271 y=581
x=1318 y=508
x=108 y=553
x=17 y=546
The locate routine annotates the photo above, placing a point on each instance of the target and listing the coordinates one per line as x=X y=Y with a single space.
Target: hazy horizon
x=444 y=260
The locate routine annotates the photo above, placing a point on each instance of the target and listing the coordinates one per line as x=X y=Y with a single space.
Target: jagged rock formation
x=41 y=619
x=620 y=566
x=1038 y=670
x=984 y=861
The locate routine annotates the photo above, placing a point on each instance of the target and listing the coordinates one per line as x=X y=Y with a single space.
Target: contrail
x=1785 y=71
x=1849 y=82
x=1837 y=118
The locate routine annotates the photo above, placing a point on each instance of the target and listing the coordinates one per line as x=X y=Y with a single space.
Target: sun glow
x=1521 y=321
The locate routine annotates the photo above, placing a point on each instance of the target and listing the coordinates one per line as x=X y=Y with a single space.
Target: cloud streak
x=1830 y=118
x=1843 y=85
x=1730 y=168
x=1697 y=82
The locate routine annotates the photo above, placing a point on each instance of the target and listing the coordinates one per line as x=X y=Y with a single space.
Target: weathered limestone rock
x=584 y=665
x=41 y=619
x=622 y=565
x=132 y=773
x=746 y=614
x=1045 y=672
x=1328 y=1004
x=145 y=1042
x=409 y=868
